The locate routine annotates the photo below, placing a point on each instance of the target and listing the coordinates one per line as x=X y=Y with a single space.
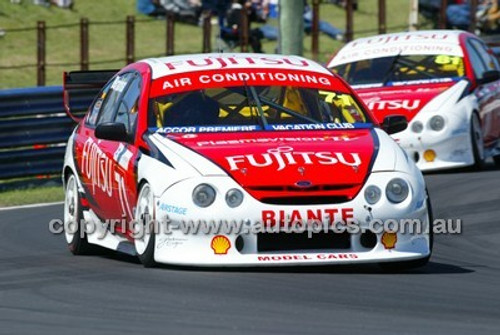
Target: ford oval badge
x=303 y=184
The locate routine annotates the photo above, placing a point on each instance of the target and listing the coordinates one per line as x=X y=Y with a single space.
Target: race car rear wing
x=78 y=86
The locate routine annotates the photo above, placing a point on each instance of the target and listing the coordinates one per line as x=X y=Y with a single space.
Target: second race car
x=446 y=83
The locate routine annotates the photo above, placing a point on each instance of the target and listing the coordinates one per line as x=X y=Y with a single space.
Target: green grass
x=107 y=42
x=31 y=196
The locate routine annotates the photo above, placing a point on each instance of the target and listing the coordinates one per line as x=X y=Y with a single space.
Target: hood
x=402 y=100
x=273 y=165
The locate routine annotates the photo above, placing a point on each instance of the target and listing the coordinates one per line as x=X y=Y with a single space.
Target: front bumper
x=236 y=247
x=453 y=149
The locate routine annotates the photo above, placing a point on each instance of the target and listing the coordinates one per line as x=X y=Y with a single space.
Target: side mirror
x=488 y=77
x=394 y=124
x=111 y=131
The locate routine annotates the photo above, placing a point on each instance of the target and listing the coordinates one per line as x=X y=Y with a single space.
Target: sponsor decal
x=421 y=43
x=170 y=242
x=341 y=138
x=118 y=85
x=424 y=81
x=220 y=245
x=214 y=78
x=122 y=155
x=172 y=209
x=305 y=257
x=229 y=78
x=207 y=129
x=282 y=157
x=235 y=61
x=423 y=37
x=311 y=126
x=378 y=104
x=97 y=167
x=330 y=215
x=389 y=240
x=275 y=127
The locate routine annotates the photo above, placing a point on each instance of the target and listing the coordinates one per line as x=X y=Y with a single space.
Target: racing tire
x=145 y=244
x=415 y=263
x=73 y=215
x=496 y=159
x=477 y=143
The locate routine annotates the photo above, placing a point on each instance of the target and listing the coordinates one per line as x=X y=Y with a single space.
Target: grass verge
x=31 y=196
x=107 y=41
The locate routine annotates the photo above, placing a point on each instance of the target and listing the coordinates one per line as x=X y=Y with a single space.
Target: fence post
x=473 y=10
x=40 y=50
x=349 y=21
x=170 y=33
x=315 y=30
x=413 y=18
x=207 y=32
x=381 y=17
x=130 y=39
x=442 y=14
x=244 y=30
x=84 y=44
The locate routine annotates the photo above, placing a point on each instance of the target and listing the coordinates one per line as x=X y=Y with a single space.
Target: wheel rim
x=143 y=216
x=70 y=208
x=478 y=137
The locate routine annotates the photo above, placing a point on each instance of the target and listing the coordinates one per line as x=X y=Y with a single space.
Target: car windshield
x=254 y=106
x=401 y=68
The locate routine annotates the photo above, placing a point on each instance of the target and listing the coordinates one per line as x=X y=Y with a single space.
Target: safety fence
x=131 y=24
x=34 y=129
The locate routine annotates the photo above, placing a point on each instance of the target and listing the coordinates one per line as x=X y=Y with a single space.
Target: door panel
x=488 y=95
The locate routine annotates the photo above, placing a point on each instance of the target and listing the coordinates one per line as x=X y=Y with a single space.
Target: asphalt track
x=46 y=290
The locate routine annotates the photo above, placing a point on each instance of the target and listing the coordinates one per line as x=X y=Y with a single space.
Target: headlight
x=203 y=195
x=397 y=190
x=417 y=127
x=436 y=123
x=372 y=194
x=234 y=197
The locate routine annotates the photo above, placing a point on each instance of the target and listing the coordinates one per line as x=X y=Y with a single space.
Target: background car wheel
x=145 y=244
x=416 y=263
x=476 y=135
x=496 y=159
x=73 y=217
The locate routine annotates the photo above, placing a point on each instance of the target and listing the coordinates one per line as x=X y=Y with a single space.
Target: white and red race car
x=446 y=83
x=260 y=141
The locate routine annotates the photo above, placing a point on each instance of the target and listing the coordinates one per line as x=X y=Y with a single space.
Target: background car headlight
x=203 y=195
x=372 y=194
x=397 y=190
x=234 y=197
x=417 y=127
x=436 y=123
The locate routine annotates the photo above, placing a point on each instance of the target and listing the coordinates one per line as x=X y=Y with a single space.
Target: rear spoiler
x=78 y=86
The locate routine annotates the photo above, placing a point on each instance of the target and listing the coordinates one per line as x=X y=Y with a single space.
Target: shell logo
x=389 y=240
x=220 y=245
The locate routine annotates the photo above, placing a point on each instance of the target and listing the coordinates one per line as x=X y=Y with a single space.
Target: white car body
x=173 y=164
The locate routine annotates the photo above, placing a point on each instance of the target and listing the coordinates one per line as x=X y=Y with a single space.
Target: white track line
x=32 y=206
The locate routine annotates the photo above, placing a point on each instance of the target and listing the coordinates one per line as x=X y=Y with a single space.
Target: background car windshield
x=254 y=105
x=401 y=68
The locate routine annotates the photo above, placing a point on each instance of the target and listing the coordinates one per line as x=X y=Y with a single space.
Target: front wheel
x=476 y=135
x=73 y=220
x=496 y=159
x=145 y=243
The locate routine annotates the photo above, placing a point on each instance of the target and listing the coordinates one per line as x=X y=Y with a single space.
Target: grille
x=305 y=200
x=301 y=241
